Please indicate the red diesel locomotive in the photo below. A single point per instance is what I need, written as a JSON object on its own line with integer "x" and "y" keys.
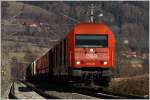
{"x": 86, "y": 54}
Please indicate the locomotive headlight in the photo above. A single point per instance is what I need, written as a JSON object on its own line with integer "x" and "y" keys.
{"x": 91, "y": 50}
{"x": 105, "y": 62}
{"x": 77, "y": 62}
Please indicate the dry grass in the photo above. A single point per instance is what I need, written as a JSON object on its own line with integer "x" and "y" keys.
{"x": 138, "y": 85}
{"x": 28, "y": 11}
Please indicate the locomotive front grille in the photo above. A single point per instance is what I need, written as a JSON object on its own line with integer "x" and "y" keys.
{"x": 79, "y": 72}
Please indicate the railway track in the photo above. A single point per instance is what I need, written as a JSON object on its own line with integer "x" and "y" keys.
{"x": 40, "y": 92}
{"x": 57, "y": 93}
{"x": 54, "y": 91}
{"x": 104, "y": 94}
{"x": 107, "y": 95}
{"x": 20, "y": 91}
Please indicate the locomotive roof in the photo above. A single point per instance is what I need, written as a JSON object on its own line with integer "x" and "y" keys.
{"x": 84, "y": 28}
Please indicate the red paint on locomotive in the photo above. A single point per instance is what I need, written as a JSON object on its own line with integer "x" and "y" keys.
{"x": 92, "y": 55}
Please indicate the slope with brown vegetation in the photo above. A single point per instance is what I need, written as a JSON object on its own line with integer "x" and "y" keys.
{"x": 137, "y": 85}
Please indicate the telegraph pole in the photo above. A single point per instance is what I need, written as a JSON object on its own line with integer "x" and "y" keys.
{"x": 92, "y": 13}
{"x": 92, "y": 17}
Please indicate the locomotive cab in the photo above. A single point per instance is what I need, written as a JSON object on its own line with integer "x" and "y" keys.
{"x": 91, "y": 51}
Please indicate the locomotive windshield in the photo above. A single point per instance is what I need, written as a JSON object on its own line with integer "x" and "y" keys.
{"x": 91, "y": 40}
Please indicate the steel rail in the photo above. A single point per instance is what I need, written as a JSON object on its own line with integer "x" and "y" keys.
{"x": 40, "y": 92}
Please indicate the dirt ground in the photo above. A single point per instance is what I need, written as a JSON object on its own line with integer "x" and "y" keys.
{"x": 137, "y": 85}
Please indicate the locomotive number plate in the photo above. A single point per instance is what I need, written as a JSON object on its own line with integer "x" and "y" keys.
{"x": 91, "y": 56}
